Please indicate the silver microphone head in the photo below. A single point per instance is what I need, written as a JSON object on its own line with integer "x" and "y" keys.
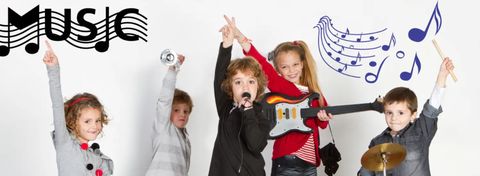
{"x": 170, "y": 58}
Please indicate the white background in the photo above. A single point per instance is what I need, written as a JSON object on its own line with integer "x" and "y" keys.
{"x": 127, "y": 78}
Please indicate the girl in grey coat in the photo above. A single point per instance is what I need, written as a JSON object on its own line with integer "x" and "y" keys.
{"x": 76, "y": 122}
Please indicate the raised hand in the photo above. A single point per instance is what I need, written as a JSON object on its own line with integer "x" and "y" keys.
{"x": 238, "y": 35}
{"x": 181, "y": 58}
{"x": 446, "y": 65}
{"x": 50, "y": 59}
{"x": 227, "y": 36}
{"x": 241, "y": 39}
{"x": 444, "y": 71}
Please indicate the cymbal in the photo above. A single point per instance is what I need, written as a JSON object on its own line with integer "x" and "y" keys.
{"x": 394, "y": 154}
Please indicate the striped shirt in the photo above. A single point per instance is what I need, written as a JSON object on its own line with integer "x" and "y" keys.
{"x": 171, "y": 146}
{"x": 307, "y": 152}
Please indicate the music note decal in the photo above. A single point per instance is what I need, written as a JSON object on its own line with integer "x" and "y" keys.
{"x": 375, "y": 76}
{"x": 364, "y": 53}
{"x": 340, "y": 51}
{"x": 360, "y": 38}
{"x": 102, "y": 46}
{"x": 387, "y": 47}
{"x": 417, "y": 35}
{"x": 20, "y": 23}
{"x": 344, "y": 35}
{"x": 342, "y": 69}
{"x": 358, "y": 59}
{"x": 400, "y": 54}
{"x": 408, "y": 75}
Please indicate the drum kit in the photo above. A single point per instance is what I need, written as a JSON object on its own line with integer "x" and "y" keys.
{"x": 170, "y": 58}
{"x": 383, "y": 157}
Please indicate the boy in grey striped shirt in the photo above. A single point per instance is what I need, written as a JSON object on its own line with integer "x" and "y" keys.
{"x": 171, "y": 146}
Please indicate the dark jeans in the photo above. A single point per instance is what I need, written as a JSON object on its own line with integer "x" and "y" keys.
{"x": 290, "y": 165}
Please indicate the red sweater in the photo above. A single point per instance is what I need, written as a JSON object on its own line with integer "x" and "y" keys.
{"x": 292, "y": 141}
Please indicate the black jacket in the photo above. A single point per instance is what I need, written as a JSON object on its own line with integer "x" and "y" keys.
{"x": 242, "y": 135}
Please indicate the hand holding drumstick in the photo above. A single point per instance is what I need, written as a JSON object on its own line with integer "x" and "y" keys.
{"x": 443, "y": 58}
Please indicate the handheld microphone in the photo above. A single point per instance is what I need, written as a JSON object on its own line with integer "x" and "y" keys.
{"x": 246, "y": 94}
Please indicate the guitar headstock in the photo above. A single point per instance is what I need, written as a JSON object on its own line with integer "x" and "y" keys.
{"x": 377, "y": 105}
{"x": 380, "y": 99}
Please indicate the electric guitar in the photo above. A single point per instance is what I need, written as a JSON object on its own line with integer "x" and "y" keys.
{"x": 287, "y": 114}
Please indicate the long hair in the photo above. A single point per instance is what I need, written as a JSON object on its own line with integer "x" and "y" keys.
{"x": 309, "y": 72}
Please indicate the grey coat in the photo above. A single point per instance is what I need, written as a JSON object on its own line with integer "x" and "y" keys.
{"x": 72, "y": 160}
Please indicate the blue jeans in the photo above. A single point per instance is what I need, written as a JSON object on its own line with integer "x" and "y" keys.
{"x": 291, "y": 165}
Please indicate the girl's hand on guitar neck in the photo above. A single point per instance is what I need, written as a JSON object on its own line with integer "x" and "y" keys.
{"x": 322, "y": 115}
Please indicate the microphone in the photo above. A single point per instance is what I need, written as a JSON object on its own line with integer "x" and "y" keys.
{"x": 247, "y": 95}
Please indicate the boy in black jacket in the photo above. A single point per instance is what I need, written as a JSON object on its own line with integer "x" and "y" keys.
{"x": 242, "y": 129}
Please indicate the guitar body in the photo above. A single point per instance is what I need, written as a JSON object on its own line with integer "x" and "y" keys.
{"x": 287, "y": 114}
{"x": 284, "y": 113}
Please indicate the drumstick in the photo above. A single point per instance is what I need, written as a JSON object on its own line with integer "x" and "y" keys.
{"x": 443, "y": 58}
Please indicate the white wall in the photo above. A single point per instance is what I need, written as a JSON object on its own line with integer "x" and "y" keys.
{"x": 127, "y": 78}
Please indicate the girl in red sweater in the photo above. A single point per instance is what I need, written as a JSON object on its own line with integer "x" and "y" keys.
{"x": 295, "y": 153}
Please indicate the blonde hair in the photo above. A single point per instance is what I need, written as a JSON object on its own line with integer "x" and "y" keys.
{"x": 73, "y": 111}
{"x": 309, "y": 72}
{"x": 248, "y": 66}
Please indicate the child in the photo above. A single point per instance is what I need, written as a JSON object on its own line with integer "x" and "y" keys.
{"x": 77, "y": 121}
{"x": 400, "y": 108}
{"x": 295, "y": 153}
{"x": 242, "y": 129}
{"x": 171, "y": 145}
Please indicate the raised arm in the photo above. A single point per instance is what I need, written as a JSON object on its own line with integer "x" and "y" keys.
{"x": 439, "y": 89}
{"x": 164, "y": 103}
{"x": 61, "y": 134}
{"x": 242, "y": 40}
{"x": 223, "y": 60}
{"x": 428, "y": 117}
{"x": 275, "y": 82}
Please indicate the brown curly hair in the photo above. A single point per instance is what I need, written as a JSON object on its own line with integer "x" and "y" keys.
{"x": 74, "y": 112}
{"x": 248, "y": 66}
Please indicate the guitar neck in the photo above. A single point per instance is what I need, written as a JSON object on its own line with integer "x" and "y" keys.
{"x": 344, "y": 109}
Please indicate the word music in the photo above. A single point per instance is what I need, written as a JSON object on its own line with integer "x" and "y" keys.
{"x": 128, "y": 25}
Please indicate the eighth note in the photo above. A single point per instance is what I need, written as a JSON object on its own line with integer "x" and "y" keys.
{"x": 407, "y": 75}
{"x": 342, "y": 69}
{"x": 340, "y": 51}
{"x": 358, "y": 59}
{"x": 360, "y": 38}
{"x": 344, "y": 35}
{"x": 387, "y": 47}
